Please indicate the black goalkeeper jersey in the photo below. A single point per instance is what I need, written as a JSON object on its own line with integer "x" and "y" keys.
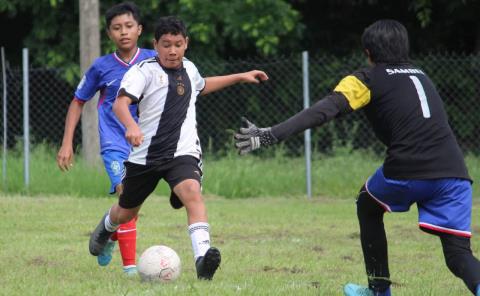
{"x": 406, "y": 113}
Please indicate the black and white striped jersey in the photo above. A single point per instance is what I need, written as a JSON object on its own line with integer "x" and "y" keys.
{"x": 166, "y": 109}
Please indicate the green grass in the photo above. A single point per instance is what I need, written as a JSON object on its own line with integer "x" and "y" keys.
{"x": 230, "y": 176}
{"x": 270, "y": 246}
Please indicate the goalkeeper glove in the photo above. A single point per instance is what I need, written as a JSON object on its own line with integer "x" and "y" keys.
{"x": 251, "y": 137}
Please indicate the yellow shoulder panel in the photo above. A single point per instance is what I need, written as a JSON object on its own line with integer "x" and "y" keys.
{"x": 357, "y": 94}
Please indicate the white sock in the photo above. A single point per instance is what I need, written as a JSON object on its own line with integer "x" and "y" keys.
{"x": 109, "y": 225}
{"x": 200, "y": 236}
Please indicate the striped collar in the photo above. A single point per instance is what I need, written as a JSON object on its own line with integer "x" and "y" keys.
{"x": 131, "y": 62}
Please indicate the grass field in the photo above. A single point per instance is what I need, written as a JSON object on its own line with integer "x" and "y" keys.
{"x": 338, "y": 175}
{"x": 270, "y": 246}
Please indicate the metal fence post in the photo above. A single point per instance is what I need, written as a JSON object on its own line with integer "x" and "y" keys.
{"x": 306, "y": 104}
{"x": 4, "y": 98}
{"x": 26, "y": 132}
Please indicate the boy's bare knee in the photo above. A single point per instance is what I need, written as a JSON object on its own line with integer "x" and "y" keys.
{"x": 188, "y": 191}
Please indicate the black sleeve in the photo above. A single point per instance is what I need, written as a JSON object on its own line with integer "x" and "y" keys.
{"x": 321, "y": 112}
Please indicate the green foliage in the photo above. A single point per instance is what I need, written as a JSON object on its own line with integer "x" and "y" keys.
{"x": 215, "y": 27}
{"x": 423, "y": 11}
{"x": 237, "y": 25}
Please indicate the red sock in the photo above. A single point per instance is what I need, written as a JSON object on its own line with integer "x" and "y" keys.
{"x": 127, "y": 242}
{"x": 114, "y": 237}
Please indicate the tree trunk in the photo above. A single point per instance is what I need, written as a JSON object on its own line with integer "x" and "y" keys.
{"x": 89, "y": 50}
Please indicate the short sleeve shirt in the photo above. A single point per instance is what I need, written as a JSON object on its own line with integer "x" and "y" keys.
{"x": 166, "y": 108}
{"x": 105, "y": 75}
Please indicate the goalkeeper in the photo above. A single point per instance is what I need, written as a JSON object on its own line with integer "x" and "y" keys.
{"x": 423, "y": 165}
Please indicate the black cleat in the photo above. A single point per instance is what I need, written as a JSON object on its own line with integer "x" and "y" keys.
{"x": 208, "y": 264}
{"x": 99, "y": 238}
{"x": 175, "y": 201}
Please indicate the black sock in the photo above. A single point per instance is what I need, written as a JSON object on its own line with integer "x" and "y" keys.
{"x": 374, "y": 241}
{"x": 460, "y": 260}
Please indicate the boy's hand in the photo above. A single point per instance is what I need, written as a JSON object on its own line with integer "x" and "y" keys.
{"x": 255, "y": 76}
{"x": 251, "y": 137}
{"x": 134, "y": 135}
{"x": 65, "y": 158}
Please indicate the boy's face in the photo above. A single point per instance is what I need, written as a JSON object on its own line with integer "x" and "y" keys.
{"x": 171, "y": 49}
{"x": 124, "y": 32}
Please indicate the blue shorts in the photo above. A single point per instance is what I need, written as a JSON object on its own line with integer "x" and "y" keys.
{"x": 444, "y": 205}
{"x": 113, "y": 161}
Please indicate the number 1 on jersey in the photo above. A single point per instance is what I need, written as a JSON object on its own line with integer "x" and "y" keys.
{"x": 421, "y": 96}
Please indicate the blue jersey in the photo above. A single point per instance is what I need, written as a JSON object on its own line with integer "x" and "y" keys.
{"x": 105, "y": 75}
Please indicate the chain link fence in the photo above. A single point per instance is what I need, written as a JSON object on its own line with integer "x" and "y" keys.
{"x": 457, "y": 78}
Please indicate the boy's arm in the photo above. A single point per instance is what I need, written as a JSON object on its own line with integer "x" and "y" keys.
{"x": 65, "y": 154}
{"x": 133, "y": 133}
{"x": 216, "y": 83}
{"x": 350, "y": 94}
{"x": 252, "y": 137}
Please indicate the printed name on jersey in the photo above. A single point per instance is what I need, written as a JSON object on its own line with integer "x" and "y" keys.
{"x": 404, "y": 71}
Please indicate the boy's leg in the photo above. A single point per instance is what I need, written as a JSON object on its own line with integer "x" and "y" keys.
{"x": 138, "y": 183}
{"x": 126, "y": 235}
{"x": 184, "y": 177}
{"x": 127, "y": 243}
{"x": 448, "y": 215}
{"x": 374, "y": 241}
{"x": 127, "y": 240}
{"x": 108, "y": 225}
{"x": 207, "y": 258}
{"x": 460, "y": 260}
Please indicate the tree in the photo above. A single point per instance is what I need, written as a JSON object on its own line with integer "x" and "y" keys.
{"x": 89, "y": 50}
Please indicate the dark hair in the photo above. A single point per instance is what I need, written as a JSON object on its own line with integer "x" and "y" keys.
{"x": 170, "y": 25}
{"x": 121, "y": 9}
{"x": 386, "y": 41}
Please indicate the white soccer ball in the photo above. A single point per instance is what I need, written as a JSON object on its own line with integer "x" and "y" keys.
{"x": 159, "y": 263}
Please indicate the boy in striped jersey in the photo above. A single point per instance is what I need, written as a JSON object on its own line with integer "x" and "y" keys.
{"x": 165, "y": 140}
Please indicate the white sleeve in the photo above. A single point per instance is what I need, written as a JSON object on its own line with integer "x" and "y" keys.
{"x": 197, "y": 79}
{"x": 133, "y": 83}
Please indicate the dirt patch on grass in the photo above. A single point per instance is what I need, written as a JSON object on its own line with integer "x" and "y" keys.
{"x": 293, "y": 269}
{"x": 40, "y": 261}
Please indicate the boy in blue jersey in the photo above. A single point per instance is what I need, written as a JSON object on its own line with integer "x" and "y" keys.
{"x": 423, "y": 163}
{"x": 105, "y": 75}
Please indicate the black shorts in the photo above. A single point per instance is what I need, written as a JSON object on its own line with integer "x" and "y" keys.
{"x": 141, "y": 180}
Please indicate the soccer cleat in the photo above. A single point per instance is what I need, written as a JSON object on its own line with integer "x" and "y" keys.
{"x": 175, "y": 201}
{"x": 207, "y": 265}
{"x": 106, "y": 255}
{"x": 356, "y": 290}
{"x": 130, "y": 270}
{"x": 99, "y": 238}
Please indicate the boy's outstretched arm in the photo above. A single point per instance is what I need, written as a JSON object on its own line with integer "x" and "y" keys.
{"x": 251, "y": 137}
{"x": 215, "y": 83}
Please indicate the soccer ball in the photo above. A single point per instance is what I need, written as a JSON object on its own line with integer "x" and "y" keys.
{"x": 160, "y": 264}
